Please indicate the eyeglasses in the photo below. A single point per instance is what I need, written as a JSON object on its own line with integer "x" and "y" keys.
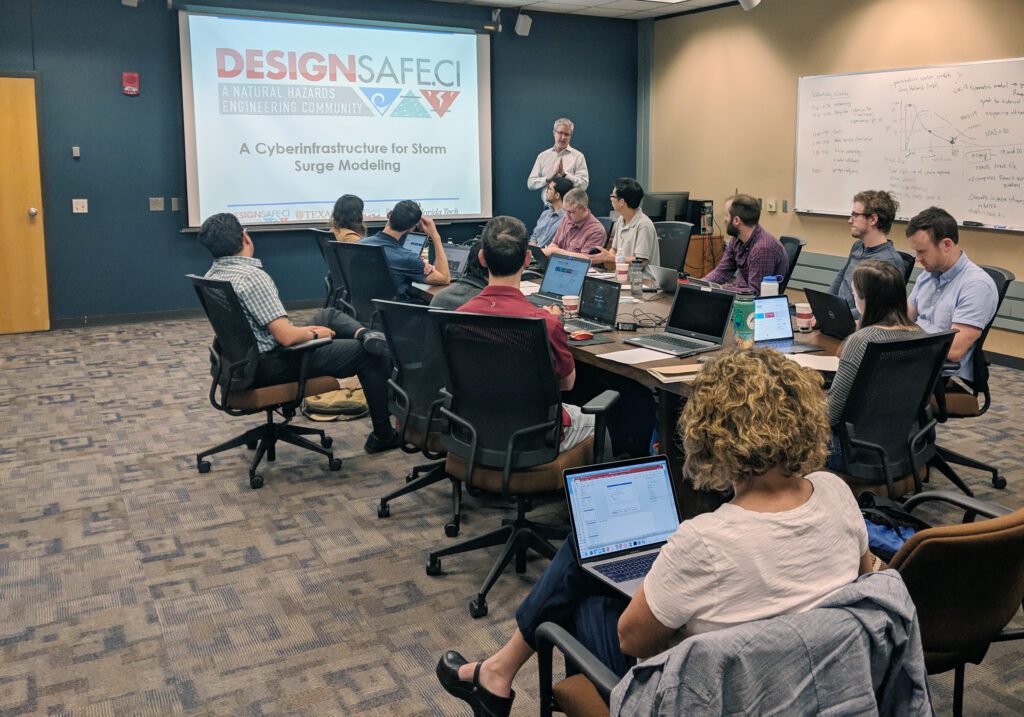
{"x": 613, "y": 197}
{"x": 860, "y": 214}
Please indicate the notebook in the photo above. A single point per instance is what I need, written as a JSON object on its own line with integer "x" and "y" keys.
{"x": 599, "y": 305}
{"x": 832, "y": 313}
{"x": 621, "y": 514}
{"x": 697, "y": 323}
{"x": 458, "y": 257}
{"x": 563, "y": 277}
{"x": 773, "y": 328}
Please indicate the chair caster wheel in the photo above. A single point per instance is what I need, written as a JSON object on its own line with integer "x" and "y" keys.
{"x": 327, "y": 442}
{"x": 477, "y": 608}
{"x": 998, "y": 482}
{"x": 384, "y": 511}
{"x": 410, "y": 477}
{"x": 434, "y": 566}
{"x": 204, "y": 467}
{"x": 451, "y": 529}
{"x": 251, "y": 445}
{"x": 255, "y": 482}
{"x": 334, "y": 464}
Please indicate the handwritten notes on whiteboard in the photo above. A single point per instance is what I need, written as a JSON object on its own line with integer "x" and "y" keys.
{"x": 951, "y": 136}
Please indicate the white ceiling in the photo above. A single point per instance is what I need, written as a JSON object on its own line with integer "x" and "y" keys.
{"x": 628, "y": 9}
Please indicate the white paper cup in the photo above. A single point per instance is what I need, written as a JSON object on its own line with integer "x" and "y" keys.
{"x": 571, "y": 303}
{"x": 622, "y": 273}
{"x": 803, "y": 317}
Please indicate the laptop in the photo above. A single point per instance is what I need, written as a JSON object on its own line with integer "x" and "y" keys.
{"x": 564, "y": 277}
{"x": 697, "y": 323}
{"x": 414, "y": 242}
{"x": 832, "y": 313}
{"x": 621, "y": 514}
{"x": 665, "y": 279}
{"x": 599, "y": 305}
{"x": 773, "y": 328}
{"x": 539, "y": 258}
{"x": 458, "y": 257}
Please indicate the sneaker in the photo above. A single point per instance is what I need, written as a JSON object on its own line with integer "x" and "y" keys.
{"x": 378, "y": 444}
{"x": 374, "y": 343}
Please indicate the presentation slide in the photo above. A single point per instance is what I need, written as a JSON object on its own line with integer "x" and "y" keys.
{"x": 284, "y": 116}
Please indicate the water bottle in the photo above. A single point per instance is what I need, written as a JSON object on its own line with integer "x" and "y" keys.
{"x": 770, "y": 285}
{"x": 743, "y": 319}
{"x": 636, "y": 279}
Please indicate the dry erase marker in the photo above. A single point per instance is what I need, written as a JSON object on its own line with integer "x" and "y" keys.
{"x": 973, "y": 224}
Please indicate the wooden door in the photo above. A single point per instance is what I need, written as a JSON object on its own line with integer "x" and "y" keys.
{"x": 24, "y": 304}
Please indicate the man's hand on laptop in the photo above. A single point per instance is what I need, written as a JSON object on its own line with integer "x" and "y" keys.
{"x": 554, "y": 309}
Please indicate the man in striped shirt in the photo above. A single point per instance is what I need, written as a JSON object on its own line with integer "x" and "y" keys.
{"x": 753, "y": 252}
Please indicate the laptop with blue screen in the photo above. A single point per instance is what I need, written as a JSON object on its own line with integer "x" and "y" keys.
{"x": 621, "y": 514}
{"x": 563, "y": 277}
{"x": 773, "y": 328}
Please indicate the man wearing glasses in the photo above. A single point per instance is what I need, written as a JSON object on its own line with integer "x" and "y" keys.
{"x": 580, "y": 231}
{"x": 870, "y": 222}
{"x": 633, "y": 234}
{"x": 561, "y": 160}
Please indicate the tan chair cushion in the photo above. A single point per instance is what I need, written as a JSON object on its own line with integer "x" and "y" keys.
{"x": 539, "y": 479}
{"x": 256, "y": 399}
{"x": 433, "y": 440}
{"x": 962, "y": 405}
{"x": 577, "y": 696}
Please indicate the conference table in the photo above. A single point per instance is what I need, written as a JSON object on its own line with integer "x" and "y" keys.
{"x": 671, "y": 397}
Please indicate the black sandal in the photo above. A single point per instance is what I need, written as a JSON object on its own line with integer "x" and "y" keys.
{"x": 484, "y": 702}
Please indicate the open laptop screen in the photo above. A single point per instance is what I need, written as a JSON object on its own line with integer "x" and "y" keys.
{"x": 414, "y": 242}
{"x": 457, "y": 256}
{"x": 771, "y": 318}
{"x": 600, "y": 300}
{"x": 564, "y": 276}
{"x": 705, "y": 312}
{"x": 618, "y": 507}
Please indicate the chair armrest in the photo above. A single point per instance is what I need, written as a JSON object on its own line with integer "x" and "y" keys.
{"x": 530, "y": 274}
{"x": 311, "y": 344}
{"x": 601, "y": 403}
{"x": 969, "y": 504}
{"x": 550, "y": 635}
{"x": 950, "y": 366}
{"x": 1007, "y": 635}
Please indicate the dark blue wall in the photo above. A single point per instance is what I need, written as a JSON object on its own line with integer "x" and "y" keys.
{"x": 120, "y": 258}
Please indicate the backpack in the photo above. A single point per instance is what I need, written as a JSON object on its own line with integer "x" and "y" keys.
{"x": 889, "y": 526}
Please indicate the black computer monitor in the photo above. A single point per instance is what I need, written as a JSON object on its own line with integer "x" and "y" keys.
{"x": 665, "y": 206}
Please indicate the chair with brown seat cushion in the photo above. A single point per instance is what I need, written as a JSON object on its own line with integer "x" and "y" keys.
{"x": 967, "y": 582}
{"x": 502, "y": 423}
{"x": 233, "y": 363}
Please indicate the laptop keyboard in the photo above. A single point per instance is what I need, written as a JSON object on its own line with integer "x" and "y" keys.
{"x": 577, "y": 324}
{"x": 776, "y": 344}
{"x": 541, "y": 300}
{"x": 628, "y": 568}
{"x": 675, "y": 342}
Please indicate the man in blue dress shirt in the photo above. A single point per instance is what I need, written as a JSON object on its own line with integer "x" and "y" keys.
{"x": 953, "y": 292}
{"x": 553, "y": 214}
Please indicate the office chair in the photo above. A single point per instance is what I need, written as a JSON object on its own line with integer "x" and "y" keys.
{"x": 793, "y": 248}
{"x": 366, "y": 276}
{"x": 962, "y": 396}
{"x": 233, "y": 356}
{"x": 886, "y": 430}
{"x": 967, "y": 582}
{"x": 337, "y": 293}
{"x": 908, "y": 265}
{"x": 607, "y": 223}
{"x": 502, "y": 423}
{"x": 415, "y": 396}
{"x": 673, "y": 243}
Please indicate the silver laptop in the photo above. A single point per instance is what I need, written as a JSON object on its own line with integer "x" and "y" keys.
{"x": 773, "y": 328}
{"x": 599, "y": 305}
{"x": 621, "y": 513}
{"x": 563, "y": 277}
{"x": 665, "y": 279}
{"x": 414, "y": 242}
{"x": 458, "y": 257}
{"x": 697, "y": 323}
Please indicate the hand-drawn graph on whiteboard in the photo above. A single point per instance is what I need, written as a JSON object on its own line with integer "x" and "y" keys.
{"x": 951, "y": 136}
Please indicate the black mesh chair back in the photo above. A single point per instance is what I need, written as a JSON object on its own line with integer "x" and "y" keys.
{"x": 1002, "y": 279}
{"x": 607, "y": 223}
{"x": 499, "y": 378}
{"x": 908, "y": 265}
{"x": 234, "y": 342}
{"x": 793, "y": 248}
{"x": 418, "y": 375}
{"x": 885, "y": 429}
{"x": 336, "y": 291}
{"x": 673, "y": 243}
{"x": 366, "y": 275}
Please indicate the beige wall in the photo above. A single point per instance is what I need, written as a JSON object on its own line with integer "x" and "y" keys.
{"x": 724, "y": 94}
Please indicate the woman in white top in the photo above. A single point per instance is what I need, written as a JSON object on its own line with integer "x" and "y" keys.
{"x": 755, "y": 423}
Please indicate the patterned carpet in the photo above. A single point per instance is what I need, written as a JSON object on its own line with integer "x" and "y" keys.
{"x": 130, "y": 584}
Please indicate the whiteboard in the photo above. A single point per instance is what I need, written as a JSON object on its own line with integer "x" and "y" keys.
{"x": 950, "y": 136}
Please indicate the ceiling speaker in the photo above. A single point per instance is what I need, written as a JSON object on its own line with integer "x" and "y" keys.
{"x": 523, "y": 24}
{"x": 749, "y": 4}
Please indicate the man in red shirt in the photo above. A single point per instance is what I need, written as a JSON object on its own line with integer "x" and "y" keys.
{"x": 504, "y": 253}
{"x": 580, "y": 231}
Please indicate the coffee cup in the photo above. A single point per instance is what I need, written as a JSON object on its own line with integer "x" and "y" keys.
{"x": 804, "y": 317}
{"x": 622, "y": 273}
{"x": 571, "y": 304}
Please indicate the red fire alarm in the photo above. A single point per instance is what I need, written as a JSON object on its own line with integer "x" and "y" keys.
{"x": 130, "y": 83}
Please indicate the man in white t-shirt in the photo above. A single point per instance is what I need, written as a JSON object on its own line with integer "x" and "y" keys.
{"x": 633, "y": 233}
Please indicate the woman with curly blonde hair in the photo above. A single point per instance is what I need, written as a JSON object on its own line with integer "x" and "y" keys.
{"x": 791, "y": 534}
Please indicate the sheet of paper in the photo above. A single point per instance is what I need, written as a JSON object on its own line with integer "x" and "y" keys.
{"x": 635, "y": 356}
{"x": 684, "y": 368}
{"x": 687, "y": 378}
{"x": 601, "y": 274}
{"x": 529, "y": 287}
{"x": 628, "y": 300}
{"x": 421, "y": 286}
{"x": 816, "y": 361}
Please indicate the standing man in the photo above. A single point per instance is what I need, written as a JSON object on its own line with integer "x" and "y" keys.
{"x": 870, "y": 222}
{"x": 580, "y": 231}
{"x": 552, "y": 216}
{"x": 953, "y": 292}
{"x": 560, "y": 161}
{"x": 354, "y": 351}
{"x": 753, "y": 253}
{"x": 633, "y": 234}
{"x": 405, "y": 265}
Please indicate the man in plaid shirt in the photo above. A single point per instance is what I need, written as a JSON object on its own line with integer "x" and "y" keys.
{"x": 753, "y": 253}
{"x": 354, "y": 350}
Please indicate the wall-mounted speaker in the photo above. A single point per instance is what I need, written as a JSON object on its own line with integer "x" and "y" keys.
{"x": 523, "y": 25}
